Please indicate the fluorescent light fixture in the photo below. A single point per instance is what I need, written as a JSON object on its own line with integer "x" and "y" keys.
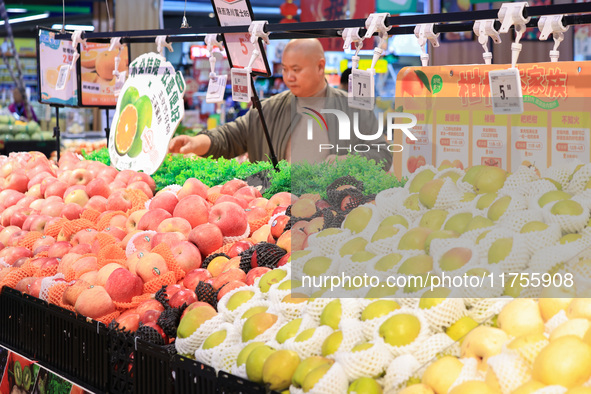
{"x": 205, "y": 8}
{"x": 58, "y": 26}
{"x": 26, "y": 18}
{"x": 16, "y": 10}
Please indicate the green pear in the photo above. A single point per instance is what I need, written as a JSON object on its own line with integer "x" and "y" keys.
{"x": 314, "y": 376}
{"x": 455, "y": 258}
{"x": 317, "y": 266}
{"x": 245, "y": 352}
{"x": 305, "y": 335}
{"x": 439, "y": 234}
{"x": 279, "y": 368}
{"x": 379, "y": 308}
{"x": 434, "y": 297}
{"x": 393, "y": 220}
{"x": 485, "y": 200}
{"x": 290, "y": 284}
{"x": 331, "y": 314}
{"x": 288, "y": 331}
{"x": 420, "y": 179}
{"x": 384, "y": 232}
{"x": 193, "y": 319}
{"x": 239, "y": 298}
{"x": 358, "y": 219}
{"x": 255, "y": 362}
{"x": 499, "y": 250}
{"x": 498, "y": 208}
{"x": 253, "y": 311}
{"x": 468, "y": 196}
{"x": 365, "y": 385}
{"x": 214, "y": 339}
{"x": 420, "y": 264}
{"x": 472, "y": 174}
{"x": 551, "y": 196}
{"x": 429, "y": 192}
{"x": 270, "y": 278}
{"x": 490, "y": 180}
{"x": 554, "y": 182}
{"x": 482, "y": 236}
{"x": 382, "y": 290}
{"x": 567, "y": 207}
{"x": 328, "y": 232}
{"x": 458, "y": 330}
{"x": 387, "y": 262}
{"x": 433, "y": 219}
{"x": 352, "y": 246}
{"x": 414, "y": 239}
{"x": 256, "y": 325}
{"x": 400, "y": 330}
{"x": 533, "y": 226}
{"x": 569, "y": 238}
{"x": 306, "y": 366}
{"x": 332, "y": 343}
{"x": 479, "y": 222}
{"x": 458, "y": 222}
{"x": 412, "y": 202}
{"x": 361, "y": 347}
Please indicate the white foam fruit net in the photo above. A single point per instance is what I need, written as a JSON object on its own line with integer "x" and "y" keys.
{"x": 516, "y": 220}
{"x": 510, "y": 370}
{"x": 232, "y": 338}
{"x": 468, "y": 373}
{"x": 410, "y": 348}
{"x": 561, "y": 172}
{"x": 399, "y": 371}
{"x": 579, "y": 180}
{"x": 517, "y": 180}
{"x": 316, "y": 306}
{"x": 537, "y": 240}
{"x": 334, "y": 381}
{"x": 386, "y": 245}
{"x": 485, "y": 309}
{"x": 327, "y": 244}
{"x": 555, "y": 321}
{"x": 47, "y": 283}
{"x": 445, "y": 314}
{"x": 270, "y": 332}
{"x": 187, "y": 346}
{"x": 386, "y": 201}
{"x": 230, "y": 315}
{"x": 437, "y": 345}
{"x": 131, "y": 248}
{"x": 411, "y": 178}
{"x": 568, "y": 223}
{"x": 231, "y": 240}
{"x": 311, "y": 346}
{"x": 352, "y": 330}
{"x": 371, "y": 362}
{"x": 226, "y": 360}
{"x": 448, "y": 195}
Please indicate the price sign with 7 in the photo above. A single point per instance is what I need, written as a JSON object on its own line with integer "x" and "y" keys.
{"x": 362, "y": 90}
{"x": 505, "y": 89}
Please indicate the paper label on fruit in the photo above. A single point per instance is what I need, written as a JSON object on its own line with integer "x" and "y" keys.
{"x": 452, "y": 132}
{"x": 97, "y": 81}
{"x": 489, "y": 145}
{"x": 529, "y": 136}
{"x": 54, "y": 54}
{"x": 570, "y": 137}
{"x": 149, "y": 109}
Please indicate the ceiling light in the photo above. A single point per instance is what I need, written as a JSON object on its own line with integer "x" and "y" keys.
{"x": 26, "y": 18}
{"x": 16, "y": 10}
{"x": 58, "y": 26}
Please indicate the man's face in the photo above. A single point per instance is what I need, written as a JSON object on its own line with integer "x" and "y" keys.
{"x": 302, "y": 74}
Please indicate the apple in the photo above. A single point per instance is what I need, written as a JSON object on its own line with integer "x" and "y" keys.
{"x": 239, "y": 247}
{"x": 98, "y": 187}
{"x": 192, "y": 208}
{"x": 57, "y": 188}
{"x": 283, "y": 260}
{"x": 150, "y": 316}
{"x": 233, "y": 186}
{"x": 281, "y": 199}
{"x": 119, "y": 200}
{"x": 278, "y": 225}
{"x": 72, "y": 211}
{"x": 124, "y": 176}
{"x": 143, "y": 177}
{"x": 19, "y": 217}
{"x": 165, "y": 200}
{"x": 255, "y": 273}
{"x": 184, "y": 296}
{"x": 187, "y": 256}
{"x": 158, "y": 330}
{"x": 247, "y": 193}
{"x": 142, "y": 186}
{"x": 17, "y": 181}
{"x": 59, "y": 249}
{"x": 195, "y": 276}
{"x": 133, "y": 220}
{"x": 13, "y": 253}
{"x": 227, "y": 198}
{"x": 230, "y": 218}
{"x": 259, "y": 202}
{"x": 192, "y": 187}
{"x": 98, "y": 203}
{"x": 170, "y": 239}
{"x": 151, "y": 266}
{"x": 151, "y": 219}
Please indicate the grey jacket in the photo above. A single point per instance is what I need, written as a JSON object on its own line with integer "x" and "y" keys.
{"x": 246, "y": 133}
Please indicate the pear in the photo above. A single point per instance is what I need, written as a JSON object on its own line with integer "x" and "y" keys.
{"x": 362, "y": 256}
{"x": 490, "y": 180}
{"x": 434, "y": 297}
{"x": 331, "y": 314}
{"x": 419, "y": 388}
{"x": 483, "y": 342}
{"x": 387, "y": 262}
{"x": 498, "y": 208}
{"x": 382, "y": 290}
{"x": 455, "y": 258}
{"x": 454, "y": 176}
{"x": 568, "y": 238}
{"x": 439, "y": 234}
{"x": 486, "y": 200}
{"x": 279, "y": 368}
{"x": 358, "y": 219}
{"x": 458, "y": 222}
{"x": 317, "y": 266}
{"x": 393, "y": 220}
{"x": 472, "y": 174}
{"x": 521, "y": 316}
{"x": 442, "y": 373}
{"x": 479, "y": 222}
{"x": 414, "y": 238}
{"x": 306, "y": 366}
{"x": 289, "y": 330}
{"x": 471, "y": 387}
{"x": 400, "y": 330}
{"x": 365, "y": 385}
{"x": 420, "y": 179}
{"x": 256, "y": 325}
{"x": 245, "y": 352}
{"x": 429, "y": 192}
{"x": 214, "y": 339}
{"x": 314, "y": 376}
{"x": 499, "y": 250}
{"x": 412, "y": 202}
{"x": 239, "y": 298}
{"x": 554, "y": 299}
{"x": 532, "y": 226}
{"x": 551, "y": 196}
{"x": 379, "y": 308}
{"x": 458, "y": 330}
{"x": 271, "y": 277}
{"x": 577, "y": 327}
{"x": 529, "y": 387}
{"x": 352, "y": 246}
{"x": 332, "y": 343}
{"x": 566, "y": 207}
{"x": 255, "y": 362}
{"x": 384, "y": 232}
{"x": 420, "y": 264}
{"x": 433, "y": 219}
{"x": 565, "y": 362}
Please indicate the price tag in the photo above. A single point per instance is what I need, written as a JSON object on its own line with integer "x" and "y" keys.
{"x": 241, "y": 85}
{"x": 505, "y": 89}
{"x": 362, "y": 90}
{"x": 62, "y": 77}
{"x": 216, "y": 89}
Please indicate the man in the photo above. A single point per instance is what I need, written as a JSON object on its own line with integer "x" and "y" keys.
{"x": 286, "y": 116}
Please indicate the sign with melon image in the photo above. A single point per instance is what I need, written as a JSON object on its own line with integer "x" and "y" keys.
{"x": 149, "y": 109}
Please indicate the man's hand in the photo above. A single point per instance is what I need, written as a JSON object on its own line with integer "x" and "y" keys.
{"x": 184, "y": 144}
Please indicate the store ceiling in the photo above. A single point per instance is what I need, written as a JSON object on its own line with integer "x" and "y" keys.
{"x": 49, "y": 12}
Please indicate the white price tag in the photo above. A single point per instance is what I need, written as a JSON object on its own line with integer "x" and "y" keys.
{"x": 62, "y": 77}
{"x": 505, "y": 89}
{"x": 362, "y": 90}
{"x": 241, "y": 85}
{"x": 216, "y": 89}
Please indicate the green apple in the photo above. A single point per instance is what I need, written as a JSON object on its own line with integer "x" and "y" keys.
{"x": 499, "y": 250}
{"x": 393, "y": 220}
{"x": 434, "y": 297}
{"x": 332, "y": 343}
{"x": 317, "y": 266}
{"x": 253, "y": 311}
{"x": 379, "y": 308}
{"x": 331, "y": 314}
{"x": 490, "y": 180}
{"x": 270, "y": 278}
{"x": 414, "y": 239}
{"x": 412, "y": 202}
{"x": 384, "y": 232}
{"x": 429, "y": 192}
{"x": 365, "y": 385}
{"x": 569, "y": 238}
{"x": 420, "y": 179}
{"x": 551, "y": 196}
{"x": 245, "y": 352}
{"x": 479, "y": 222}
{"x": 455, "y": 258}
{"x": 498, "y": 208}
{"x": 387, "y": 262}
{"x": 240, "y": 298}
{"x": 214, "y": 339}
{"x": 567, "y": 207}
{"x": 255, "y": 362}
{"x": 289, "y": 330}
{"x": 485, "y": 200}
{"x": 279, "y": 368}
{"x": 420, "y": 264}
{"x": 352, "y": 246}
{"x": 439, "y": 234}
{"x": 256, "y": 325}
{"x": 532, "y": 226}
{"x": 306, "y": 366}
{"x": 400, "y": 330}
{"x": 362, "y": 256}
{"x": 458, "y": 330}
{"x": 458, "y": 222}
{"x": 314, "y": 376}
{"x": 433, "y": 219}
{"x": 358, "y": 219}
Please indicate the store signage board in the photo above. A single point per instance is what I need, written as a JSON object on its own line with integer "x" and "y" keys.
{"x": 238, "y": 46}
{"x": 458, "y": 126}
{"x": 362, "y": 90}
{"x": 149, "y": 109}
{"x": 96, "y": 82}
{"x": 52, "y": 55}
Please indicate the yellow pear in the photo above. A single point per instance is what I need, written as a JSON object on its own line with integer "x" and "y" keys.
{"x": 271, "y": 277}
{"x": 429, "y": 192}
{"x": 365, "y": 385}
{"x": 358, "y": 219}
{"x": 490, "y": 180}
{"x": 472, "y": 174}
{"x": 458, "y": 330}
{"x": 255, "y": 362}
{"x": 412, "y": 202}
{"x": 551, "y": 196}
{"x": 441, "y": 374}
{"x": 553, "y": 300}
{"x": 387, "y": 262}
{"x": 479, "y": 222}
{"x": 420, "y": 179}
{"x": 419, "y": 388}
{"x": 533, "y": 226}
{"x": 498, "y": 208}
{"x": 485, "y": 200}
{"x": 379, "y": 308}
{"x": 455, "y": 258}
{"x": 393, "y": 220}
{"x": 317, "y": 266}
{"x": 239, "y": 298}
{"x": 458, "y": 222}
{"x": 256, "y": 325}
{"x": 420, "y": 264}
{"x": 331, "y": 314}
{"x": 529, "y": 387}
{"x": 529, "y": 345}
{"x": 314, "y": 376}
{"x": 521, "y": 316}
{"x": 566, "y": 207}
{"x": 439, "y": 234}
{"x": 434, "y": 297}
{"x": 253, "y": 311}
{"x": 384, "y": 232}
{"x": 579, "y": 390}
{"x": 352, "y": 246}
{"x": 433, "y": 219}
{"x": 279, "y": 368}
{"x": 332, "y": 343}
{"x": 289, "y": 330}
{"x": 214, "y": 339}
{"x": 245, "y": 352}
{"x": 414, "y": 238}
{"x": 577, "y": 327}
{"x": 307, "y": 365}
{"x": 579, "y": 307}
{"x": 483, "y": 342}
{"x": 565, "y": 362}
{"x": 499, "y": 250}
{"x": 472, "y": 387}
{"x": 400, "y": 330}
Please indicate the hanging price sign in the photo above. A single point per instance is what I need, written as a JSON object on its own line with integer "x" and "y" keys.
{"x": 505, "y": 90}
{"x": 362, "y": 90}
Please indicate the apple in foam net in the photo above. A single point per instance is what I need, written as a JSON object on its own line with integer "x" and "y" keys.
{"x": 98, "y": 187}
{"x": 192, "y": 278}
{"x": 152, "y": 218}
{"x": 143, "y": 186}
{"x": 187, "y": 256}
{"x": 192, "y": 208}
{"x": 117, "y": 220}
{"x": 165, "y": 200}
{"x": 192, "y": 186}
{"x": 151, "y": 266}
{"x": 122, "y": 285}
{"x": 239, "y": 247}
{"x": 228, "y": 198}
{"x": 59, "y": 249}
{"x": 16, "y": 238}
{"x": 183, "y": 296}
{"x": 45, "y": 240}
{"x": 84, "y": 236}
{"x": 81, "y": 249}
{"x": 232, "y": 186}
{"x": 230, "y": 218}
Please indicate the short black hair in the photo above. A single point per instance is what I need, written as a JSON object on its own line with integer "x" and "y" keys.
{"x": 345, "y": 76}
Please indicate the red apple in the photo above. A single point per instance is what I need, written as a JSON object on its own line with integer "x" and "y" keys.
{"x": 170, "y": 239}
{"x": 278, "y": 225}
{"x": 195, "y": 276}
{"x": 192, "y": 208}
{"x": 247, "y": 193}
{"x": 207, "y": 237}
{"x": 98, "y": 187}
{"x": 119, "y": 200}
{"x": 181, "y": 297}
{"x": 151, "y": 219}
{"x": 187, "y": 256}
{"x": 192, "y": 186}
{"x": 230, "y": 218}
{"x": 159, "y": 330}
{"x": 239, "y": 247}
{"x": 255, "y": 273}
{"x": 227, "y": 198}
{"x": 232, "y": 186}
{"x": 165, "y": 200}
{"x": 98, "y": 203}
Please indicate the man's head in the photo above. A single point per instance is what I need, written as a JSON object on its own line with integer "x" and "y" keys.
{"x": 303, "y": 67}
{"x": 17, "y": 96}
